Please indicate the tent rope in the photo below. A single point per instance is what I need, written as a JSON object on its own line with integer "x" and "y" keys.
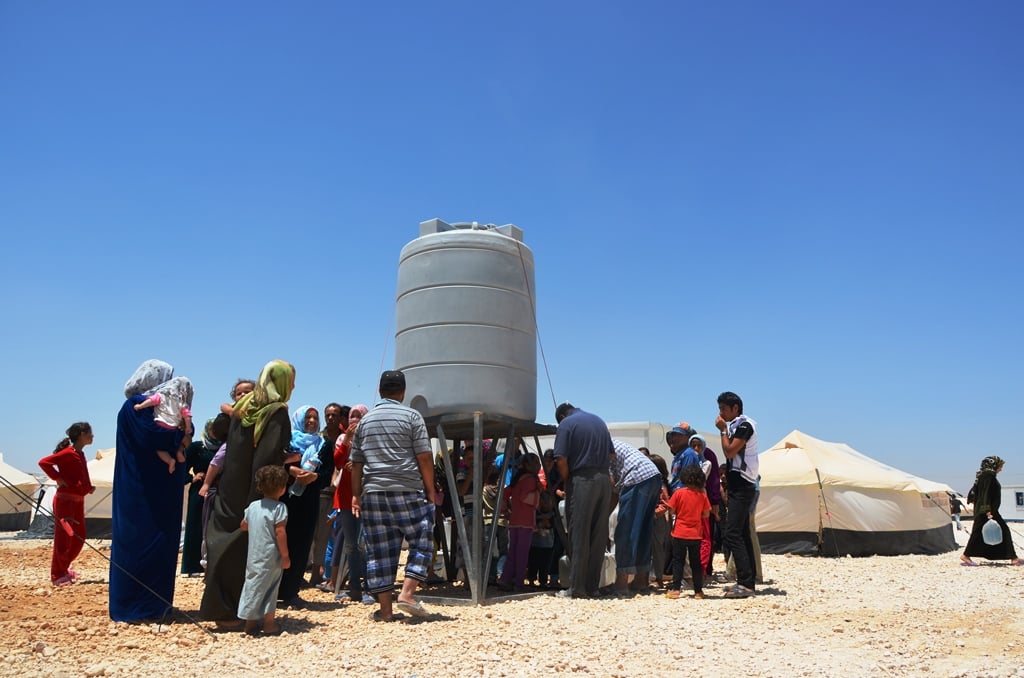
{"x": 63, "y": 524}
{"x": 828, "y": 514}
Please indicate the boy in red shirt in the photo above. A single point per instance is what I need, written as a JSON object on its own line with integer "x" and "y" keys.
{"x": 690, "y": 506}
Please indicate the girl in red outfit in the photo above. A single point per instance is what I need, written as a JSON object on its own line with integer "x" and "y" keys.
{"x": 523, "y": 498}
{"x": 68, "y": 468}
{"x": 690, "y": 506}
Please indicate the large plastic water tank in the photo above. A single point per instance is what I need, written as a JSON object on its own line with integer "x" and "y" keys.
{"x": 466, "y": 337}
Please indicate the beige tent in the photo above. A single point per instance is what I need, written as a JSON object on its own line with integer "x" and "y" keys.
{"x": 17, "y": 493}
{"x": 827, "y": 498}
{"x": 99, "y": 505}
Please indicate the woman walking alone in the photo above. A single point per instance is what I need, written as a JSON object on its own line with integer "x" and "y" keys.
{"x": 67, "y": 466}
{"x": 987, "y": 495}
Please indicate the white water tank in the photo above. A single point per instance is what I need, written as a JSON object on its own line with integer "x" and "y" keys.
{"x": 466, "y": 337}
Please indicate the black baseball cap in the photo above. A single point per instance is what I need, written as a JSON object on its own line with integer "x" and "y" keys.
{"x": 392, "y": 380}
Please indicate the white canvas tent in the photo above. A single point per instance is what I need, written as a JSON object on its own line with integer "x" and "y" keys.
{"x": 17, "y": 492}
{"x": 98, "y": 505}
{"x": 828, "y": 499}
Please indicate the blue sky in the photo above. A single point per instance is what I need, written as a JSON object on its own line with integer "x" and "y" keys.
{"x": 816, "y": 205}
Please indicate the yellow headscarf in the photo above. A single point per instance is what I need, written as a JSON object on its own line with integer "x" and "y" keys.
{"x": 273, "y": 389}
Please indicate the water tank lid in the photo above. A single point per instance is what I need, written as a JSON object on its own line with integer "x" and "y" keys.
{"x": 437, "y": 226}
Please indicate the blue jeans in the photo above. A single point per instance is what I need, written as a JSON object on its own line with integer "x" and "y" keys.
{"x": 354, "y": 556}
{"x": 634, "y": 530}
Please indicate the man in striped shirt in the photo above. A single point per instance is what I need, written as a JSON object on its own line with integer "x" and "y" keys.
{"x": 393, "y": 493}
{"x": 637, "y": 486}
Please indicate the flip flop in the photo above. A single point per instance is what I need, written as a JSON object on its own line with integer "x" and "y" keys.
{"x": 375, "y": 616}
{"x": 416, "y": 610}
{"x": 276, "y": 632}
{"x": 968, "y": 563}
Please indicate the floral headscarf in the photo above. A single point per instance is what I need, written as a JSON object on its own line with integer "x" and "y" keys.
{"x": 178, "y": 389}
{"x": 148, "y": 376}
{"x": 273, "y": 389}
{"x": 989, "y": 465}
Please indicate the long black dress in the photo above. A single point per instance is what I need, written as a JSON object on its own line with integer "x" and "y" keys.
{"x": 303, "y": 514}
{"x": 987, "y": 497}
{"x": 226, "y": 543}
{"x": 197, "y": 460}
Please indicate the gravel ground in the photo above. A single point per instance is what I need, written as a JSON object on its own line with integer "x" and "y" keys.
{"x": 898, "y": 616}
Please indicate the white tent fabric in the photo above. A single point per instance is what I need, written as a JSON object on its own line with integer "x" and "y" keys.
{"x": 828, "y": 498}
{"x": 98, "y": 505}
{"x": 15, "y": 501}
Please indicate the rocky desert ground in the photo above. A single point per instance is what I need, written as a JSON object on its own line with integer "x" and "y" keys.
{"x": 880, "y": 616}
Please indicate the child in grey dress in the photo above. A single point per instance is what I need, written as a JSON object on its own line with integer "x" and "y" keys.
{"x": 265, "y": 521}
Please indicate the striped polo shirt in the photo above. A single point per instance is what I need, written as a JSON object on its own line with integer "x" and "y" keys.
{"x": 630, "y": 466}
{"x": 386, "y": 442}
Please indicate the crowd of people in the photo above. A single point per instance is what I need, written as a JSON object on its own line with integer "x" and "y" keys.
{"x": 272, "y": 495}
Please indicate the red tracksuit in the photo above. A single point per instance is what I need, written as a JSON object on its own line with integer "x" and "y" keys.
{"x": 67, "y": 465}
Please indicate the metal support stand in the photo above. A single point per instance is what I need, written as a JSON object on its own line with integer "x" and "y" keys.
{"x": 478, "y": 563}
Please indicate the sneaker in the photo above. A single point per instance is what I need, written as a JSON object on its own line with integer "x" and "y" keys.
{"x": 672, "y": 594}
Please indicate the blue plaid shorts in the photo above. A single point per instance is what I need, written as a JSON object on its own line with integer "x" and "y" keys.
{"x": 388, "y": 518}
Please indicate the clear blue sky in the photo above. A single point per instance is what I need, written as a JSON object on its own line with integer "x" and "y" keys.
{"x": 816, "y": 205}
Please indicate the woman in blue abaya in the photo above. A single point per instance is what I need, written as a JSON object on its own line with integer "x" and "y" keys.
{"x": 147, "y": 503}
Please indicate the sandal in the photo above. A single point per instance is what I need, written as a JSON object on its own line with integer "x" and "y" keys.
{"x": 738, "y": 591}
{"x": 416, "y": 608}
{"x": 376, "y": 616}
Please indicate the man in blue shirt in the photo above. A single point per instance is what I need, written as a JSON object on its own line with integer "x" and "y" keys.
{"x": 678, "y": 439}
{"x": 583, "y": 448}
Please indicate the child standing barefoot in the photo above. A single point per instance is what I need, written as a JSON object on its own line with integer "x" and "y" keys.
{"x": 265, "y": 521}
{"x": 690, "y": 506}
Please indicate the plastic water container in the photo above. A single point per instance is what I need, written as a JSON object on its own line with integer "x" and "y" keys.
{"x": 992, "y": 533}
{"x": 465, "y": 330}
{"x": 311, "y": 464}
